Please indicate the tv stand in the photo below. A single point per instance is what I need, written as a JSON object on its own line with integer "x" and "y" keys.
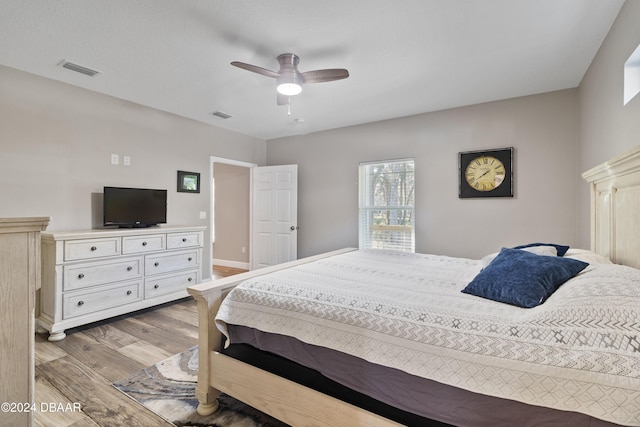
{"x": 97, "y": 274}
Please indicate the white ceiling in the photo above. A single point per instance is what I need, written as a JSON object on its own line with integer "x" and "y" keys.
{"x": 405, "y": 57}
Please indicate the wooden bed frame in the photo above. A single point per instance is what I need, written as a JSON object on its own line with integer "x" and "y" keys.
{"x": 287, "y": 401}
{"x": 615, "y": 208}
{"x": 615, "y": 233}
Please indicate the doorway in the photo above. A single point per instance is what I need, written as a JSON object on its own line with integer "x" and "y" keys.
{"x": 230, "y": 213}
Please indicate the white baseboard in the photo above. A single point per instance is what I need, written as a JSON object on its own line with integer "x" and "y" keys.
{"x": 233, "y": 264}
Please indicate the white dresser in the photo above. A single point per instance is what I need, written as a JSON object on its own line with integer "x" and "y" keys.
{"x": 93, "y": 275}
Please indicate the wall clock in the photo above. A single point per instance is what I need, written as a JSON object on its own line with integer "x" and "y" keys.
{"x": 486, "y": 173}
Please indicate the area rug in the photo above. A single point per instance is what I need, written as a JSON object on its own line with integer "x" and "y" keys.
{"x": 168, "y": 389}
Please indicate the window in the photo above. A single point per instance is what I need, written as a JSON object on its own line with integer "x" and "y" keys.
{"x": 632, "y": 76}
{"x": 387, "y": 205}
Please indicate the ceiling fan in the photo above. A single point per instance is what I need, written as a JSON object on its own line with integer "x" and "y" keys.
{"x": 289, "y": 79}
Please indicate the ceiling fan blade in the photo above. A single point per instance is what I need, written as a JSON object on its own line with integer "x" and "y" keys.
{"x": 319, "y": 76}
{"x": 255, "y": 69}
{"x": 282, "y": 99}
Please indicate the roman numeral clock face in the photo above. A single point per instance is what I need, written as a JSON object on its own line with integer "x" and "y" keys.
{"x": 487, "y": 173}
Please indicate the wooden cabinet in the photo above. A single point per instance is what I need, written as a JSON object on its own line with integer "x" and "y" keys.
{"x": 19, "y": 279}
{"x": 93, "y": 275}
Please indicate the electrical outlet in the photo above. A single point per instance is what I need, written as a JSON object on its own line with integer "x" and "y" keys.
{"x": 244, "y": 250}
{"x": 126, "y": 160}
{"x": 115, "y": 159}
{"x": 203, "y": 215}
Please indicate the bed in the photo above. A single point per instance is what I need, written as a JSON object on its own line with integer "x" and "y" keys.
{"x": 376, "y": 338}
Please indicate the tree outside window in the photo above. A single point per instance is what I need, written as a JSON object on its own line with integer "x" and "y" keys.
{"x": 387, "y": 205}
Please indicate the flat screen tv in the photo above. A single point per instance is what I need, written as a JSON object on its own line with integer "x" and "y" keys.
{"x": 134, "y": 207}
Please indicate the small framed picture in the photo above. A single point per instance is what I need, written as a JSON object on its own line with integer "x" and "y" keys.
{"x": 188, "y": 182}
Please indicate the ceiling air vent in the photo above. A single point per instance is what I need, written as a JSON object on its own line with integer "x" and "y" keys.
{"x": 78, "y": 68}
{"x": 221, "y": 115}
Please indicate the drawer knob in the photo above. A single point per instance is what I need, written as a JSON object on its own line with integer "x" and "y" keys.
{"x": 129, "y": 268}
{"x": 189, "y": 279}
{"x": 189, "y": 259}
{"x": 93, "y": 248}
{"x": 156, "y": 286}
{"x": 80, "y": 276}
{"x": 156, "y": 263}
{"x": 184, "y": 239}
{"x": 144, "y": 243}
{"x": 128, "y": 292}
{"x": 80, "y": 303}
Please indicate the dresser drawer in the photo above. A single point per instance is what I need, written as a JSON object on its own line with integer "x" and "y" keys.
{"x": 173, "y": 261}
{"x": 91, "y": 248}
{"x": 184, "y": 240}
{"x": 76, "y": 276}
{"x": 79, "y": 303}
{"x": 170, "y": 283}
{"x": 141, "y": 244}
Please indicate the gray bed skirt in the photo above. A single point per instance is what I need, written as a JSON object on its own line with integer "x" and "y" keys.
{"x": 414, "y": 395}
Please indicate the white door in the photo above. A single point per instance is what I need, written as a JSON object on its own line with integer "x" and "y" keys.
{"x": 274, "y": 215}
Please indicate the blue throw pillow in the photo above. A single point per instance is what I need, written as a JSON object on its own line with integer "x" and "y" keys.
{"x": 523, "y": 279}
{"x": 562, "y": 249}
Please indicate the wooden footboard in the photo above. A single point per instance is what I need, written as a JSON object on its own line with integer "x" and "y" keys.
{"x": 209, "y": 296}
{"x": 286, "y": 400}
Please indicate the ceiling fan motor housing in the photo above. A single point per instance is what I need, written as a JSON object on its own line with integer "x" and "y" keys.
{"x": 290, "y": 80}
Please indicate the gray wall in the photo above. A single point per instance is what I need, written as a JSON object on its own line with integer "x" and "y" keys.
{"x": 542, "y": 128}
{"x": 56, "y": 142}
{"x": 607, "y": 127}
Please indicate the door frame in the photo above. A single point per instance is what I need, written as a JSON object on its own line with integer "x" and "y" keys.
{"x": 212, "y": 160}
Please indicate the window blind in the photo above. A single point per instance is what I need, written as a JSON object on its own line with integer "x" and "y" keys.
{"x": 386, "y": 205}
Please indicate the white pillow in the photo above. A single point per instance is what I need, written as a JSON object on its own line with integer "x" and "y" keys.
{"x": 538, "y": 250}
{"x": 585, "y": 255}
{"x": 542, "y": 250}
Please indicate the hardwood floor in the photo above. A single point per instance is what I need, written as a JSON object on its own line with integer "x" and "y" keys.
{"x": 220, "y": 271}
{"x": 74, "y": 376}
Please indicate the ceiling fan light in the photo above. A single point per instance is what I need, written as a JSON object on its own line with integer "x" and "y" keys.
{"x": 289, "y": 89}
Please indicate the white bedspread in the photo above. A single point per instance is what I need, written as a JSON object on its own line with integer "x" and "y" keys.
{"x": 579, "y": 351}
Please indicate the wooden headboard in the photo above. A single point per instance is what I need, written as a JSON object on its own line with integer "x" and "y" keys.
{"x": 615, "y": 208}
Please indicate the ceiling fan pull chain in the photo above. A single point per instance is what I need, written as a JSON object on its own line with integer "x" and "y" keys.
{"x": 289, "y": 106}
